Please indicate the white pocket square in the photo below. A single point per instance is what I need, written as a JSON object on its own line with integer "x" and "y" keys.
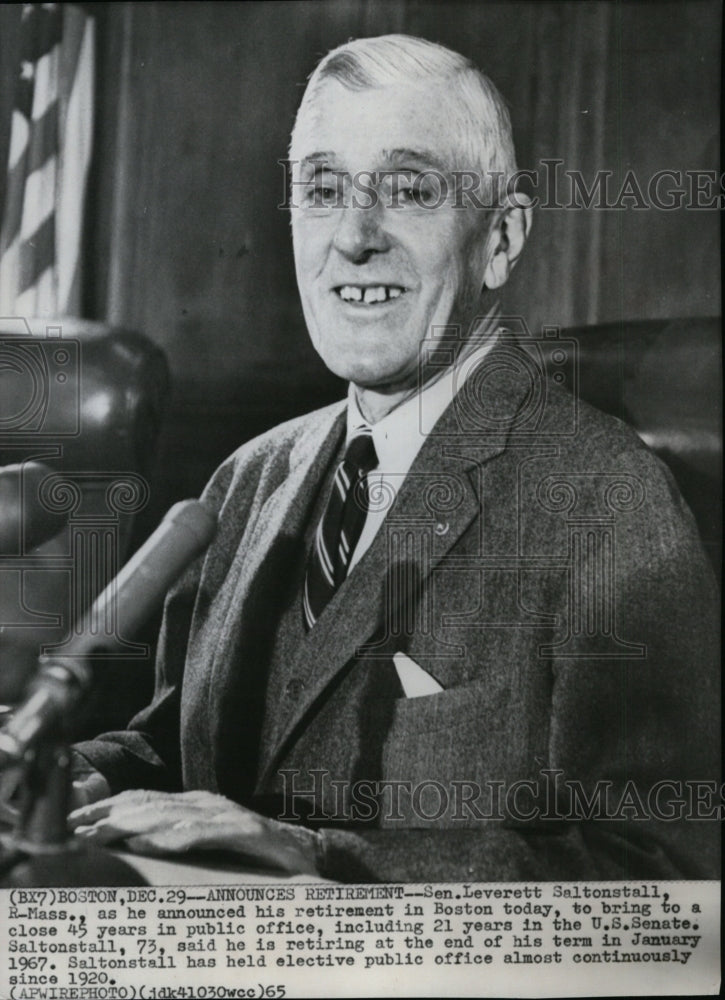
{"x": 415, "y": 681}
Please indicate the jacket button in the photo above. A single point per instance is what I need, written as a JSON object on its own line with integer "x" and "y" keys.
{"x": 294, "y": 688}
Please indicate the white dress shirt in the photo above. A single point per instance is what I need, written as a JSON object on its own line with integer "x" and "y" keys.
{"x": 399, "y": 436}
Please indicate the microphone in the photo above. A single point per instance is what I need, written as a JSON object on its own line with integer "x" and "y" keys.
{"x": 25, "y": 523}
{"x": 139, "y": 589}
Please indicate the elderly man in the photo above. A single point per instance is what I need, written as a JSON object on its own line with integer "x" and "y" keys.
{"x": 456, "y": 627}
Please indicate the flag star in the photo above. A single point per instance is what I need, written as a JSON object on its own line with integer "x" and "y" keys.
{"x": 26, "y": 70}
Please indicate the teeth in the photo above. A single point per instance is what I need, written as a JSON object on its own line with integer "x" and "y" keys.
{"x": 379, "y": 293}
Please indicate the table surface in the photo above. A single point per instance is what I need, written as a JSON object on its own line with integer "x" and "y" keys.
{"x": 191, "y": 869}
{"x": 182, "y": 870}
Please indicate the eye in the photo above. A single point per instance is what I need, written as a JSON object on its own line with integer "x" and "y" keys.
{"x": 322, "y": 191}
{"x": 400, "y": 189}
{"x": 325, "y": 193}
{"x": 410, "y": 189}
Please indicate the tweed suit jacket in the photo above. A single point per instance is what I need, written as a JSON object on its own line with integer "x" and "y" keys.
{"x": 539, "y": 563}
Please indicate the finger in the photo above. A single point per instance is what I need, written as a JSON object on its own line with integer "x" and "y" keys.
{"x": 100, "y": 834}
{"x": 89, "y": 788}
{"x": 177, "y": 839}
{"x": 88, "y": 814}
{"x": 132, "y": 798}
{"x": 263, "y": 847}
{"x": 190, "y": 835}
{"x": 129, "y": 820}
{"x": 124, "y": 822}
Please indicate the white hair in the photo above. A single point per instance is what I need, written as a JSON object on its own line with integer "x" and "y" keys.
{"x": 479, "y": 117}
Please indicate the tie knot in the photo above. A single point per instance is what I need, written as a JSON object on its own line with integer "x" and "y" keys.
{"x": 360, "y": 452}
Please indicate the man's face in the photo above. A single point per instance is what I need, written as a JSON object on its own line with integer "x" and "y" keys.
{"x": 377, "y": 265}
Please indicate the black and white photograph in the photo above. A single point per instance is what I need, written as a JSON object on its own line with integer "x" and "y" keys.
{"x": 360, "y": 498}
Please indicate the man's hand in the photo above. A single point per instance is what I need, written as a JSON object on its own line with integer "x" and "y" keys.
{"x": 88, "y": 786}
{"x": 166, "y": 823}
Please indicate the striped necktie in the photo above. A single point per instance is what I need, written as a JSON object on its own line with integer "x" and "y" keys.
{"x": 340, "y": 526}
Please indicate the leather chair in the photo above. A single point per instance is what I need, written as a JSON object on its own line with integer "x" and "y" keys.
{"x": 664, "y": 378}
{"x": 86, "y": 401}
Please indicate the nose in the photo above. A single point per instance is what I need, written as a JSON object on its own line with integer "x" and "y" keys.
{"x": 360, "y": 232}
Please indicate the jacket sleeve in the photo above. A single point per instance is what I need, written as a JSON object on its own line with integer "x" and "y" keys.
{"x": 148, "y": 754}
{"x": 495, "y": 853}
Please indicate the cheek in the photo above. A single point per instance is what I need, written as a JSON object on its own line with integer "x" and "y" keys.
{"x": 309, "y": 245}
{"x": 440, "y": 253}
{"x": 443, "y": 283}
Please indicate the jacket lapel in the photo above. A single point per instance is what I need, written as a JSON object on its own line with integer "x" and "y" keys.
{"x": 283, "y": 513}
{"x": 437, "y": 502}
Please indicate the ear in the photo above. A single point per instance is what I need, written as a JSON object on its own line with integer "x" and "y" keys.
{"x": 506, "y": 239}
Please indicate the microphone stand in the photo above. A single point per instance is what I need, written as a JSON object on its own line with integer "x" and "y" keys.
{"x": 41, "y": 851}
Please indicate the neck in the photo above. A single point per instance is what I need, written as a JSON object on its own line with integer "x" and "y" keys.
{"x": 374, "y": 404}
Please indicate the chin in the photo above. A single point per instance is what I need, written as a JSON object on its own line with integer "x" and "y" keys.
{"x": 367, "y": 376}
{"x": 373, "y": 376}
{"x": 367, "y": 357}
{"x": 349, "y": 362}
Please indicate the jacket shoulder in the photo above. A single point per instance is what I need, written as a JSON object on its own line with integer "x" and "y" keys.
{"x": 268, "y": 452}
{"x": 604, "y": 445}
{"x": 599, "y": 437}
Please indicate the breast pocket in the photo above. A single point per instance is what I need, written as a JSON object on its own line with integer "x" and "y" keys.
{"x": 455, "y": 707}
{"x": 442, "y": 735}
{"x": 466, "y": 740}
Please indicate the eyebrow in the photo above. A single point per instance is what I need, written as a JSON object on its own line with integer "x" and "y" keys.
{"x": 401, "y": 156}
{"x": 419, "y": 157}
{"x": 319, "y": 159}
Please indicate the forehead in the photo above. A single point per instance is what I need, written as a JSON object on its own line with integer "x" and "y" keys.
{"x": 367, "y": 129}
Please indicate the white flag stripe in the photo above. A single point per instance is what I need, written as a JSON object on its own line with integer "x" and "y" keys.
{"x": 19, "y": 132}
{"x": 48, "y": 164}
{"x": 74, "y": 165}
{"x": 39, "y": 200}
{"x": 45, "y": 91}
{"x": 10, "y": 272}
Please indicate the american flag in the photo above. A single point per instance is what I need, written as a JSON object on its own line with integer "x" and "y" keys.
{"x": 50, "y": 151}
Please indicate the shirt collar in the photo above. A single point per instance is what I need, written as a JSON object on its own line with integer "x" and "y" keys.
{"x": 399, "y": 435}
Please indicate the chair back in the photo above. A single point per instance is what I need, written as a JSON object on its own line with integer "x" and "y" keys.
{"x": 86, "y": 401}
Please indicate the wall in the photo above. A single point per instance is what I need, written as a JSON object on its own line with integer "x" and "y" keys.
{"x": 196, "y": 103}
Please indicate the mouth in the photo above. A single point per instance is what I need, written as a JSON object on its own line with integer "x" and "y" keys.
{"x": 369, "y": 295}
